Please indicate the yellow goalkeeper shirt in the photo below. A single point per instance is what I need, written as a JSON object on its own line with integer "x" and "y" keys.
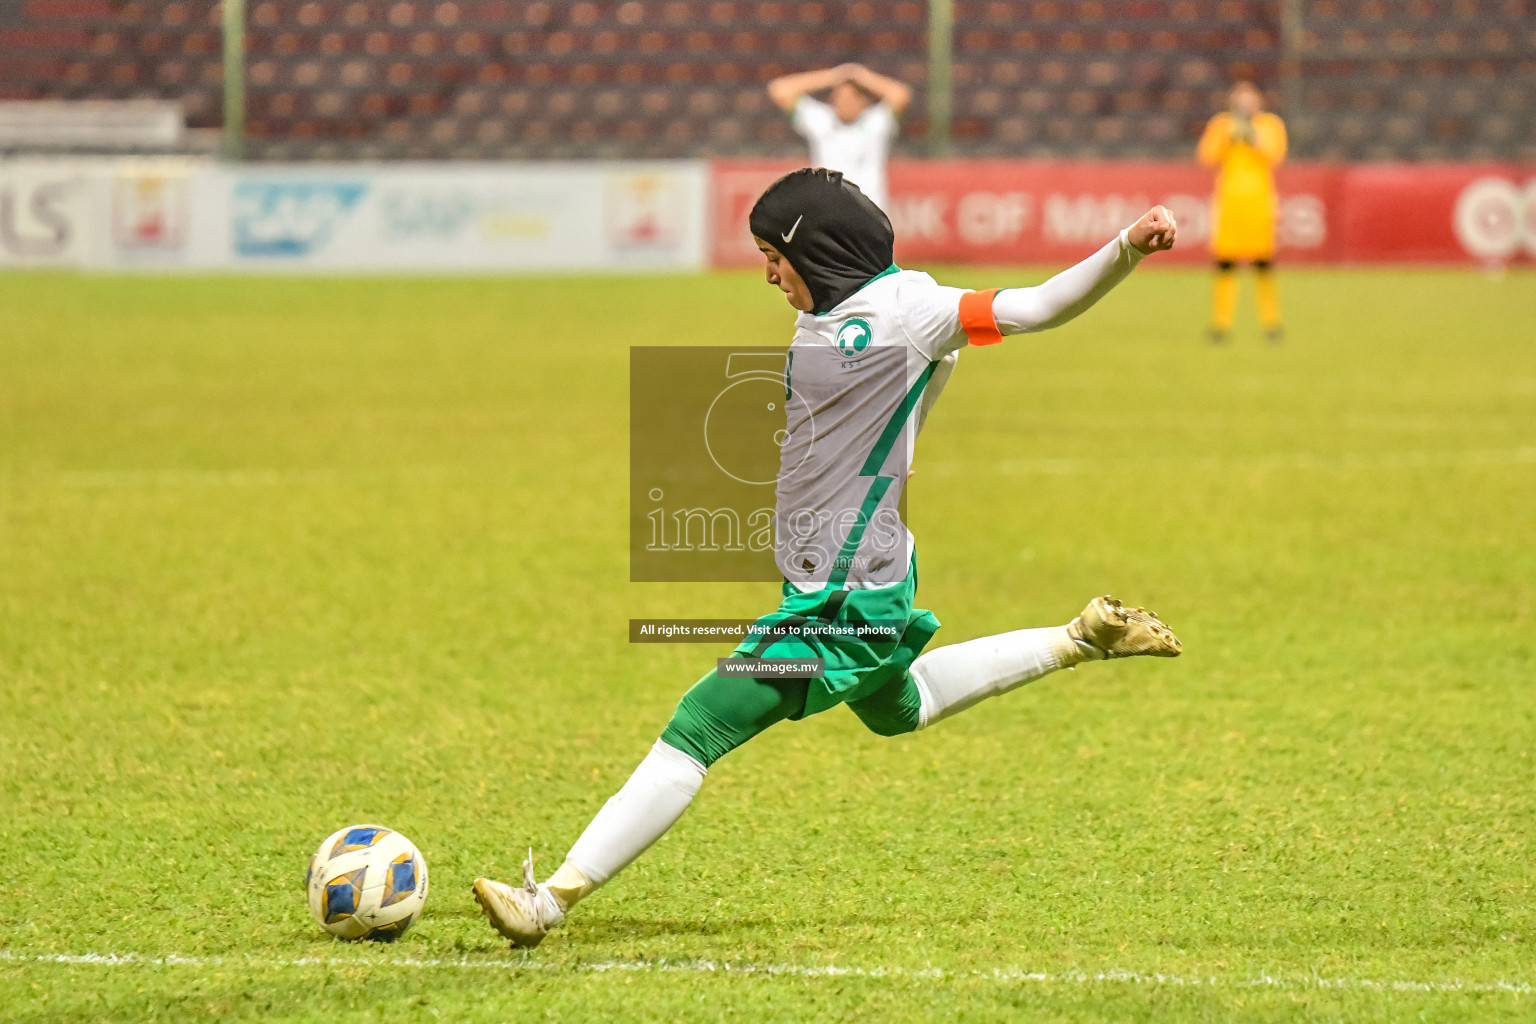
{"x": 1246, "y": 203}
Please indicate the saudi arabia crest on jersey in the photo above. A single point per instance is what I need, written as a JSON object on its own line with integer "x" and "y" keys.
{"x": 853, "y": 337}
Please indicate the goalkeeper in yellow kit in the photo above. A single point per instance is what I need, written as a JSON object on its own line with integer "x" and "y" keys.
{"x": 1244, "y": 144}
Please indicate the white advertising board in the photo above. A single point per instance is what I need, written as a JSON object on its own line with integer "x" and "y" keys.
{"x": 45, "y": 212}
{"x": 147, "y": 214}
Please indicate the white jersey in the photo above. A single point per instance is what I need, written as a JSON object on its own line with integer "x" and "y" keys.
{"x": 859, "y": 382}
{"x": 858, "y": 149}
{"x": 858, "y": 386}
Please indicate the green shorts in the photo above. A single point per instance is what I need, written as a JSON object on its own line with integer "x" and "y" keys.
{"x": 865, "y": 637}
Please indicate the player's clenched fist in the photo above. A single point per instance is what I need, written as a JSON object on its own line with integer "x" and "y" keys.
{"x": 1154, "y": 232}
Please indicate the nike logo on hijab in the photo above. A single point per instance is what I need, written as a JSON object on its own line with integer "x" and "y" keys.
{"x": 848, "y": 242}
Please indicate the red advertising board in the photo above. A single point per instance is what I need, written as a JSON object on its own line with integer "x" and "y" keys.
{"x": 1023, "y": 211}
{"x": 1437, "y": 213}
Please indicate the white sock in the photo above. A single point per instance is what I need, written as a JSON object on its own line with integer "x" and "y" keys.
{"x": 951, "y": 679}
{"x": 655, "y": 796}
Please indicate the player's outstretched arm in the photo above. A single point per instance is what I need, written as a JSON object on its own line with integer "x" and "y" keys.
{"x": 1023, "y": 310}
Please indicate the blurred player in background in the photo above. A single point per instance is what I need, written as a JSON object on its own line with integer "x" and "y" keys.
{"x": 852, "y": 132}
{"x": 1244, "y": 144}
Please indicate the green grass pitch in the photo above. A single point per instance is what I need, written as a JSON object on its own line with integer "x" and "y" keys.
{"x": 279, "y": 555}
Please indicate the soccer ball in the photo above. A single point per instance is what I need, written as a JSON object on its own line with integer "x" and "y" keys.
{"x": 366, "y": 882}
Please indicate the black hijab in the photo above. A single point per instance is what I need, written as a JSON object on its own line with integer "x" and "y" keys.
{"x": 834, "y": 236}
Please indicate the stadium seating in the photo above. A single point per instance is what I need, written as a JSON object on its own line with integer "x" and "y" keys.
{"x": 1364, "y": 79}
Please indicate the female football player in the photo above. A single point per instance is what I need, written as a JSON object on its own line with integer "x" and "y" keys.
{"x": 873, "y": 347}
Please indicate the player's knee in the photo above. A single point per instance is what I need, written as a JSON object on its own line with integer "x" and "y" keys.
{"x": 720, "y": 714}
{"x": 1262, "y": 266}
{"x": 1225, "y": 266}
{"x": 890, "y": 726}
{"x": 697, "y": 733}
{"x": 886, "y": 720}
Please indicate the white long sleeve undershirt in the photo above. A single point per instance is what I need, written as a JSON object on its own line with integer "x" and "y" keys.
{"x": 1023, "y": 310}
{"x": 1041, "y": 307}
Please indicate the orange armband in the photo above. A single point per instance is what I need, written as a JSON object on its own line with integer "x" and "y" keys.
{"x": 977, "y": 319}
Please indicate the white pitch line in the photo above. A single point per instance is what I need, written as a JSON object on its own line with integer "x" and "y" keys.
{"x": 1113, "y": 976}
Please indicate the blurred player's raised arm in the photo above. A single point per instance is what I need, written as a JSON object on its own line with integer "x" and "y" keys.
{"x": 786, "y": 90}
{"x": 1270, "y": 139}
{"x": 893, "y": 93}
{"x": 1215, "y": 141}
